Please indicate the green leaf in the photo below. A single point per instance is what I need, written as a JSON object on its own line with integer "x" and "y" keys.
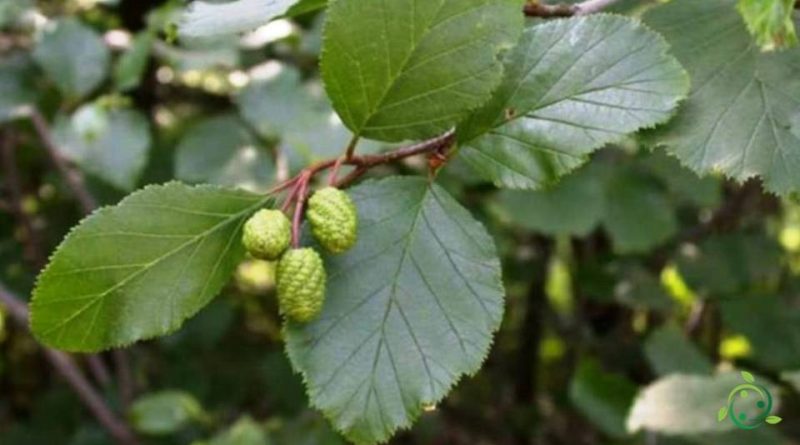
{"x": 739, "y": 114}
{"x": 205, "y": 18}
{"x": 770, "y": 324}
{"x": 132, "y": 64}
{"x": 109, "y": 143}
{"x": 571, "y": 87}
{"x": 731, "y": 263}
{"x": 164, "y": 413}
{"x": 306, "y": 6}
{"x": 602, "y": 397}
{"x": 284, "y": 108}
{"x": 748, "y": 377}
{"x": 771, "y": 22}
{"x": 669, "y": 351}
{"x": 774, "y": 420}
{"x": 638, "y": 214}
{"x": 574, "y": 206}
{"x": 139, "y": 269}
{"x": 244, "y": 432}
{"x": 74, "y": 57}
{"x": 685, "y": 405}
{"x": 410, "y": 69}
{"x": 411, "y": 309}
{"x": 723, "y": 414}
{"x": 17, "y": 86}
{"x": 223, "y": 151}
{"x": 684, "y": 184}
{"x": 12, "y": 11}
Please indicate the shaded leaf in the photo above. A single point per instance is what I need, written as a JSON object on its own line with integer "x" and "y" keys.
{"x": 638, "y": 214}
{"x": 139, "y": 269}
{"x": 74, "y": 57}
{"x": 17, "y": 89}
{"x": 574, "y": 206}
{"x": 244, "y": 432}
{"x": 685, "y": 405}
{"x": 407, "y": 69}
{"x": 411, "y": 309}
{"x": 223, "y": 151}
{"x": 730, "y": 263}
{"x": 110, "y": 143}
{"x": 209, "y": 19}
{"x": 669, "y": 351}
{"x": 164, "y": 412}
{"x": 571, "y": 87}
{"x": 764, "y": 319}
{"x": 737, "y": 119}
{"x": 602, "y": 397}
{"x": 771, "y": 22}
{"x": 132, "y": 64}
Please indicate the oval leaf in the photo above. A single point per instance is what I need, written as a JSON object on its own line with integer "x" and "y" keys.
{"x": 410, "y": 69}
{"x": 223, "y": 151}
{"x": 111, "y": 144}
{"x": 209, "y": 19}
{"x": 571, "y": 86}
{"x": 74, "y": 57}
{"x": 139, "y": 269}
{"x": 409, "y": 310}
{"x": 682, "y": 404}
{"x": 738, "y": 119}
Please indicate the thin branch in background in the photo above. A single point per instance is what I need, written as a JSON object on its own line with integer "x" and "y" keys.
{"x": 71, "y": 373}
{"x": 77, "y": 185}
{"x": 535, "y": 8}
{"x": 73, "y": 178}
{"x": 99, "y": 370}
{"x": 694, "y": 323}
{"x": 32, "y": 243}
{"x": 127, "y": 388}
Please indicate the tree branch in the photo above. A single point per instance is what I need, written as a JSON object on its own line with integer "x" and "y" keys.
{"x": 72, "y": 177}
{"x": 69, "y": 371}
{"x": 535, "y": 8}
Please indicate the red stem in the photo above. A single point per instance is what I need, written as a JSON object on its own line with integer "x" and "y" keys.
{"x": 300, "y": 198}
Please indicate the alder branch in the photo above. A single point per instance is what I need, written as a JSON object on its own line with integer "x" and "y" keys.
{"x": 535, "y": 8}
{"x": 298, "y": 186}
{"x": 69, "y": 371}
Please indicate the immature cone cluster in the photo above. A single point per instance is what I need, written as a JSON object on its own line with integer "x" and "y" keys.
{"x": 334, "y": 219}
{"x": 267, "y": 234}
{"x": 301, "y": 284}
{"x": 301, "y": 276}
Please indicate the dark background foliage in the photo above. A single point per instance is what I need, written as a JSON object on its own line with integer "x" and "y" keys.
{"x": 631, "y": 270}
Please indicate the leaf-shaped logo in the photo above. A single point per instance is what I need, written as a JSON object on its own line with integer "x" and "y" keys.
{"x": 747, "y": 412}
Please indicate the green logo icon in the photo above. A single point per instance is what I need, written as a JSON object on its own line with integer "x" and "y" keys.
{"x": 749, "y": 405}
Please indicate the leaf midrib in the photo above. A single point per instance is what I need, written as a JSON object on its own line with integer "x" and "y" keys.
{"x": 98, "y": 297}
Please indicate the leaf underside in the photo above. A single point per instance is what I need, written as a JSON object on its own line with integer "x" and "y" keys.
{"x": 208, "y": 19}
{"x": 139, "y": 269}
{"x": 571, "y": 86}
{"x": 409, "y": 310}
{"x": 742, "y": 117}
{"x": 412, "y": 69}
